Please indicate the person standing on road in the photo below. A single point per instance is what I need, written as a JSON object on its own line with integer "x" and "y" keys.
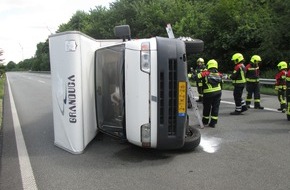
{"x": 253, "y": 85}
{"x": 280, "y": 85}
{"x": 239, "y": 81}
{"x": 199, "y": 68}
{"x": 211, "y": 82}
{"x": 288, "y": 94}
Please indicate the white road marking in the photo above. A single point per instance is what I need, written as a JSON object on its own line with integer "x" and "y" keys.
{"x": 27, "y": 176}
{"x": 41, "y": 81}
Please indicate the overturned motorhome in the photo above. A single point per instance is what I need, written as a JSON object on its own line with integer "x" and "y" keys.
{"x": 135, "y": 90}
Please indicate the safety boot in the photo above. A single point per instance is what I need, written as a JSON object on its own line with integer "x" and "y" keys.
{"x": 248, "y": 104}
{"x": 282, "y": 108}
{"x": 205, "y": 121}
{"x": 258, "y": 106}
{"x": 211, "y": 125}
{"x": 236, "y": 113}
{"x": 244, "y": 108}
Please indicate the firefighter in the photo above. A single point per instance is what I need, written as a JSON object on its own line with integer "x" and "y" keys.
{"x": 199, "y": 68}
{"x": 280, "y": 85}
{"x": 211, "y": 82}
{"x": 288, "y": 94}
{"x": 239, "y": 80}
{"x": 252, "y": 84}
{"x": 190, "y": 75}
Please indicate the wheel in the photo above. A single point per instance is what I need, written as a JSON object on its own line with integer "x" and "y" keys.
{"x": 192, "y": 139}
{"x": 288, "y": 117}
{"x": 194, "y": 46}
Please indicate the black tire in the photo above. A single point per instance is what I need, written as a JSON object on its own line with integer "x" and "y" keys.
{"x": 288, "y": 117}
{"x": 194, "y": 46}
{"x": 192, "y": 139}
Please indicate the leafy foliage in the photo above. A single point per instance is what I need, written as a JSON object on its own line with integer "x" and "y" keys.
{"x": 226, "y": 26}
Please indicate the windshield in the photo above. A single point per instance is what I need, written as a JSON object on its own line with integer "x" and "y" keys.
{"x": 109, "y": 84}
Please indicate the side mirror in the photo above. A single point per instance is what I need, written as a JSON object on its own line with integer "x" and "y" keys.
{"x": 123, "y": 31}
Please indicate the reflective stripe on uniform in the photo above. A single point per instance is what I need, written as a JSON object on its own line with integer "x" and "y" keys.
{"x": 214, "y": 117}
{"x": 212, "y": 89}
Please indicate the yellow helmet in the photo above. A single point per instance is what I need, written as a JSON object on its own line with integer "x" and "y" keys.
{"x": 282, "y": 65}
{"x": 256, "y": 59}
{"x": 212, "y": 64}
{"x": 200, "y": 60}
{"x": 237, "y": 58}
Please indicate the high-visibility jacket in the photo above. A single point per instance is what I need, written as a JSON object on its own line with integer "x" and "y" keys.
{"x": 252, "y": 73}
{"x": 238, "y": 77}
{"x": 281, "y": 79}
{"x": 211, "y": 80}
{"x": 199, "y": 69}
{"x": 189, "y": 75}
{"x": 288, "y": 79}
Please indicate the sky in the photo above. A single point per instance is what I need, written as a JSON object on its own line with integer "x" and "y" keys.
{"x": 25, "y": 23}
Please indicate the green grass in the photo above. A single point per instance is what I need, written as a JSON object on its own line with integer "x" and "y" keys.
{"x": 2, "y": 82}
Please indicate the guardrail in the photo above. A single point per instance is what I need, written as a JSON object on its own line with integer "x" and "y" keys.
{"x": 267, "y": 81}
{"x": 262, "y": 81}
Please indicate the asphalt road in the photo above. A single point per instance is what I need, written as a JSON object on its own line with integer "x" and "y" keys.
{"x": 249, "y": 152}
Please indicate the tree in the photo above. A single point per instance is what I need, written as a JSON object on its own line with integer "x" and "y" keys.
{"x": 1, "y": 54}
{"x": 11, "y": 66}
{"x": 79, "y": 22}
{"x": 226, "y": 26}
{"x": 276, "y": 46}
{"x": 24, "y": 65}
{"x": 41, "y": 60}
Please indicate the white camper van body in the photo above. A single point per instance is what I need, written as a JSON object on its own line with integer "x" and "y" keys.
{"x": 72, "y": 78}
{"x": 134, "y": 90}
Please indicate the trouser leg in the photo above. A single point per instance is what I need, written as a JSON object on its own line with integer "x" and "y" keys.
{"x": 257, "y": 96}
{"x": 288, "y": 103}
{"x": 249, "y": 89}
{"x": 206, "y": 109}
{"x": 288, "y": 99}
{"x": 199, "y": 91}
{"x": 239, "y": 102}
{"x": 238, "y": 92}
{"x": 215, "y": 109}
{"x": 281, "y": 98}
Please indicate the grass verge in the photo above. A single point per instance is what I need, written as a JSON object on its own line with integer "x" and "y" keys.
{"x": 2, "y": 82}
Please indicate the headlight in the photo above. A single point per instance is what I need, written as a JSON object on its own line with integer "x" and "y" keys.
{"x": 145, "y": 63}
